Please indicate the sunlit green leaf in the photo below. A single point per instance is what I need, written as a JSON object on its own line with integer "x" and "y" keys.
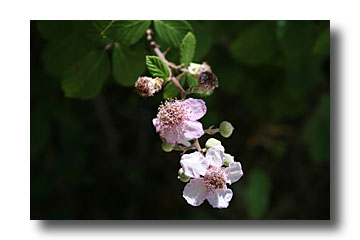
{"x": 157, "y": 67}
{"x": 187, "y": 48}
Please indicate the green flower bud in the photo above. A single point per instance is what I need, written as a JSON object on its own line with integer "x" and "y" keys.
{"x": 211, "y": 142}
{"x": 182, "y": 177}
{"x": 167, "y": 147}
{"x": 226, "y": 129}
{"x": 228, "y": 159}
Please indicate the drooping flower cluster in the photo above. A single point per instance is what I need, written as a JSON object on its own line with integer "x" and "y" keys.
{"x": 209, "y": 178}
{"x": 177, "y": 122}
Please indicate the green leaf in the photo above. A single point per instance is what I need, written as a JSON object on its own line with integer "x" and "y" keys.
{"x": 62, "y": 51}
{"x": 172, "y": 31}
{"x": 127, "y": 65}
{"x": 204, "y": 39}
{"x": 192, "y": 81}
{"x": 171, "y": 91}
{"x": 157, "y": 67}
{"x": 257, "y": 194}
{"x": 187, "y": 48}
{"x": 92, "y": 30}
{"x": 297, "y": 40}
{"x": 256, "y": 45}
{"x": 53, "y": 29}
{"x": 85, "y": 78}
{"x": 126, "y": 32}
{"x": 316, "y": 132}
{"x": 322, "y": 43}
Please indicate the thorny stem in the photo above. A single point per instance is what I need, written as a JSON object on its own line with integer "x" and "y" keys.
{"x": 169, "y": 64}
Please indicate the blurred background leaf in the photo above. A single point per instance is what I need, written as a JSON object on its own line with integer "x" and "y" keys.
{"x": 258, "y": 193}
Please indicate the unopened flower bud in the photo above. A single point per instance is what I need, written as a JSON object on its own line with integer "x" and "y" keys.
{"x": 167, "y": 147}
{"x": 208, "y": 80}
{"x": 204, "y": 67}
{"x": 194, "y": 68}
{"x": 228, "y": 159}
{"x": 226, "y": 129}
{"x": 182, "y": 177}
{"x": 211, "y": 142}
{"x": 147, "y": 86}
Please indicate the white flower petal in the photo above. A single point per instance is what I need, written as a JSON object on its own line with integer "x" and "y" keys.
{"x": 215, "y": 155}
{"x": 195, "y": 192}
{"x": 233, "y": 172}
{"x": 170, "y": 136}
{"x": 220, "y": 198}
{"x": 192, "y": 129}
{"x": 184, "y": 142}
{"x": 156, "y": 124}
{"x": 194, "y": 164}
{"x": 197, "y": 108}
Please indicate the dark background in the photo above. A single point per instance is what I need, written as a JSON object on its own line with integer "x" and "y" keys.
{"x": 102, "y": 159}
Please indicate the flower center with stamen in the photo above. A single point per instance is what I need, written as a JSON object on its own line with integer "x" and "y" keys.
{"x": 214, "y": 178}
{"x": 171, "y": 114}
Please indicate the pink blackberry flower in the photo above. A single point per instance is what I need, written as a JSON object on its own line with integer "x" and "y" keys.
{"x": 212, "y": 186}
{"x": 176, "y": 120}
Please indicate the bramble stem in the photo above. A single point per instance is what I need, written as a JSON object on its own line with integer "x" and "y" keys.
{"x": 170, "y": 65}
{"x": 197, "y": 144}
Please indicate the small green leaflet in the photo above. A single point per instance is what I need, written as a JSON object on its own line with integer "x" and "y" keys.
{"x": 127, "y": 65}
{"x": 85, "y": 78}
{"x": 157, "y": 67}
{"x": 187, "y": 49}
{"x": 172, "y": 32}
{"x": 126, "y": 32}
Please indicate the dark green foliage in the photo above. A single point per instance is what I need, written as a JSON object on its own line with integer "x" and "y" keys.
{"x": 128, "y": 64}
{"x": 256, "y": 44}
{"x": 257, "y": 194}
{"x": 85, "y": 78}
{"x": 126, "y": 32}
{"x": 316, "y": 133}
{"x": 172, "y": 32}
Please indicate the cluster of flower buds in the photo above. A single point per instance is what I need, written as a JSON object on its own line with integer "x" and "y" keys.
{"x": 147, "y": 86}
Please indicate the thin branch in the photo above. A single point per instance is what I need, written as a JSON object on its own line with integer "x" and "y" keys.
{"x": 197, "y": 144}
